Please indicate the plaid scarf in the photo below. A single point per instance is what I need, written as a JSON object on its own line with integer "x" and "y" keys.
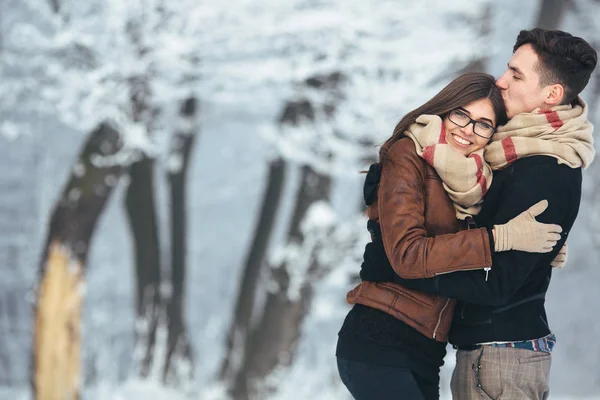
{"x": 562, "y": 132}
{"x": 465, "y": 179}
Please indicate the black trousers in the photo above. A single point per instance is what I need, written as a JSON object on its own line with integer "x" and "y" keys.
{"x": 374, "y": 382}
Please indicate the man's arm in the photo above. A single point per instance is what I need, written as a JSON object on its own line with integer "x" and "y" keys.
{"x": 510, "y": 268}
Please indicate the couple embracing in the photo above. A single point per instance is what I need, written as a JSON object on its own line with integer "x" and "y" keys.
{"x": 469, "y": 209}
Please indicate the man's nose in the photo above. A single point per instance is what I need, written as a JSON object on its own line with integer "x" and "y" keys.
{"x": 501, "y": 83}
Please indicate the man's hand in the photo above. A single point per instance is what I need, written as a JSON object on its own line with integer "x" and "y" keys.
{"x": 524, "y": 233}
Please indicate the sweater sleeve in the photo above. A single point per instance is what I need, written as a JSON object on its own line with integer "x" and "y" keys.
{"x": 510, "y": 269}
{"x": 401, "y": 203}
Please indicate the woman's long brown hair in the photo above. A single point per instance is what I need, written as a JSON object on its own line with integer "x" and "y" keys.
{"x": 462, "y": 91}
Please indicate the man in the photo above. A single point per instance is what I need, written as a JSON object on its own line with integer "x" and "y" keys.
{"x": 500, "y": 327}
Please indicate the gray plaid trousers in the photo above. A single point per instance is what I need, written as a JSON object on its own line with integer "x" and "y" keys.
{"x": 501, "y": 373}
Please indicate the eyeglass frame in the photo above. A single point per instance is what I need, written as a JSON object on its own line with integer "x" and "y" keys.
{"x": 471, "y": 121}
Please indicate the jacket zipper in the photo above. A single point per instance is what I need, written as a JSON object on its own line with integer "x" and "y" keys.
{"x": 485, "y": 269}
{"x": 471, "y": 224}
{"x": 459, "y": 270}
{"x": 440, "y": 318}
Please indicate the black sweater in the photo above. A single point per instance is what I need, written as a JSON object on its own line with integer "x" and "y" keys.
{"x": 509, "y": 305}
{"x": 374, "y": 337}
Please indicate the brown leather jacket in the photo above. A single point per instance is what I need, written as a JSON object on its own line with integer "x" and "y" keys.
{"x": 422, "y": 238}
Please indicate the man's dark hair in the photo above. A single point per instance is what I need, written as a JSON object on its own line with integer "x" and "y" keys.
{"x": 563, "y": 58}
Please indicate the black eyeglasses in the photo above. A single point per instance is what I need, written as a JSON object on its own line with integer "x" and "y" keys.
{"x": 481, "y": 129}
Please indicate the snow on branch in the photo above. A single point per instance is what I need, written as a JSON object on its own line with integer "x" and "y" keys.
{"x": 80, "y": 68}
{"x": 391, "y": 62}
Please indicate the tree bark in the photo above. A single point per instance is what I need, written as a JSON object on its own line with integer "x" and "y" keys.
{"x": 179, "y": 364}
{"x": 240, "y": 326}
{"x": 254, "y": 352}
{"x": 484, "y": 24}
{"x": 550, "y": 13}
{"x": 56, "y": 370}
{"x": 272, "y": 342}
{"x": 293, "y": 113}
{"x": 141, "y": 212}
{"x": 55, "y": 5}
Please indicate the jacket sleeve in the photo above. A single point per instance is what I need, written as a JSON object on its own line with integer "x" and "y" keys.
{"x": 510, "y": 269}
{"x": 401, "y": 204}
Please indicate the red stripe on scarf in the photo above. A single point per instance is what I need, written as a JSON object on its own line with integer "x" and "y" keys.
{"x": 480, "y": 177}
{"x": 428, "y": 154}
{"x": 443, "y": 136}
{"x": 510, "y": 153}
{"x": 552, "y": 118}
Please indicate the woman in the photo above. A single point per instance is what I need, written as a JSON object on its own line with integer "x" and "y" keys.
{"x": 432, "y": 180}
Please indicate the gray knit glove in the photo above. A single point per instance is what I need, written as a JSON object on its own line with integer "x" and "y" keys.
{"x": 524, "y": 233}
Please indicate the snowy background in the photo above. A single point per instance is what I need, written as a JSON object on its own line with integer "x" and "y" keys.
{"x": 64, "y": 67}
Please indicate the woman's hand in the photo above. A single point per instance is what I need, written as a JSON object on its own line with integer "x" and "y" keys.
{"x": 561, "y": 258}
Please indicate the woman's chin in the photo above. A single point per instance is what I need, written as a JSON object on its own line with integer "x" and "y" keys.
{"x": 465, "y": 151}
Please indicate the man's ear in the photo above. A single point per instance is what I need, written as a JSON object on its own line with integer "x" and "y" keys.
{"x": 554, "y": 94}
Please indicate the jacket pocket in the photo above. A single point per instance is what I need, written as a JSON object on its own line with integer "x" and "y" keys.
{"x": 536, "y": 356}
{"x": 421, "y": 298}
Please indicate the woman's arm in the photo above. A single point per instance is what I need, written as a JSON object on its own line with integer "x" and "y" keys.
{"x": 510, "y": 269}
{"x": 401, "y": 205}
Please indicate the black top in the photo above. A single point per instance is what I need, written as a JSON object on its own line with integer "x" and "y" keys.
{"x": 509, "y": 305}
{"x": 374, "y": 337}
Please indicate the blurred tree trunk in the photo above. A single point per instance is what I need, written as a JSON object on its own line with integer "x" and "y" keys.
{"x": 551, "y": 13}
{"x": 179, "y": 364}
{"x": 293, "y": 113}
{"x": 254, "y": 352}
{"x": 483, "y": 26}
{"x": 141, "y": 212}
{"x": 55, "y": 5}
{"x": 240, "y": 326}
{"x": 158, "y": 311}
{"x": 140, "y": 207}
{"x": 56, "y": 370}
{"x": 272, "y": 341}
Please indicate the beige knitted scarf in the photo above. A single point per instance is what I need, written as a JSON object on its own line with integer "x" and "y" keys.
{"x": 465, "y": 179}
{"x": 562, "y": 132}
